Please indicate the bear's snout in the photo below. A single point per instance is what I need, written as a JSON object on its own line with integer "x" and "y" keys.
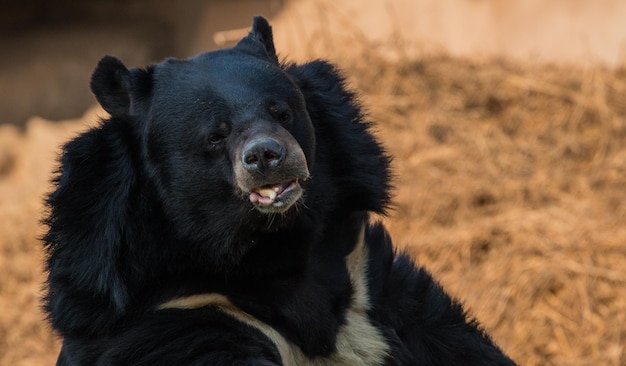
{"x": 262, "y": 155}
{"x": 269, "y": 168}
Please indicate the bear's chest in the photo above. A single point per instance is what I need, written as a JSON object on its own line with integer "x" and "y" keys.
{"x": 358, "y": 341}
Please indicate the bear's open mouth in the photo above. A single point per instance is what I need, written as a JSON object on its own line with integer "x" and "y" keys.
{"x": 279, "y": 196}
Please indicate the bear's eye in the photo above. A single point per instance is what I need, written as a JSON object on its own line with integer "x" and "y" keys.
{"x": 215, "y": 138}
{"x": 280, "y": 114}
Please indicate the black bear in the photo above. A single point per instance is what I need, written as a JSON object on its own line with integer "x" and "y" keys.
{"x": 220, "y": 216}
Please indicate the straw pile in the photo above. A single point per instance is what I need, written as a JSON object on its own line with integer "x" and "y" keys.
{"x": 510, "y": 188}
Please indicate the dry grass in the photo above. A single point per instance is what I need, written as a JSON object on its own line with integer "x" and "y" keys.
{"x": 26, "y": 163}
{"x": 510, "y": 188}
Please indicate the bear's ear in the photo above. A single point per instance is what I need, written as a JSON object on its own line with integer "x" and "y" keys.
{"x": 260, "y": 41}
{"x": 110, "y": 83}
{"x": 119, "y": 90}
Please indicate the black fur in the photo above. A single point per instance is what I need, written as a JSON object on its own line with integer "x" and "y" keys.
{"x": 155, "y": 205}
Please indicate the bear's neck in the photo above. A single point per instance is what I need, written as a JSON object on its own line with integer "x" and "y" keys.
{"x": 284, "y": 258}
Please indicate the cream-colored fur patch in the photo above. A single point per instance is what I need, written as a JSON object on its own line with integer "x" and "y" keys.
{"x": 358, "y": 341}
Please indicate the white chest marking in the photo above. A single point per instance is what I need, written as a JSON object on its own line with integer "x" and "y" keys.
{"x": 358, "y": 341}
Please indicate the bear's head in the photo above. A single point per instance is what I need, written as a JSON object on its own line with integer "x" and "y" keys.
{"x": 218, "y": 129}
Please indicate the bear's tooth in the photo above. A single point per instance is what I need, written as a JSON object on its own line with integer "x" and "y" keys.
{"x": 267, "y": 192}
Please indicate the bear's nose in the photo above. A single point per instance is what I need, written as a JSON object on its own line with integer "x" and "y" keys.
{"x": 262, "y": 155}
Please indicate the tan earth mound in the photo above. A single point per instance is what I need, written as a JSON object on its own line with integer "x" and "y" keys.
{"x": 510, "y": 188}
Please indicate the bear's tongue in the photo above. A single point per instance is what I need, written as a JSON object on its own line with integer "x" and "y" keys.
{"x": 267, "y": 194}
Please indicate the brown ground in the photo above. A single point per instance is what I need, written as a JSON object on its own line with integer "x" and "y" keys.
{"x": 511, "y": 189}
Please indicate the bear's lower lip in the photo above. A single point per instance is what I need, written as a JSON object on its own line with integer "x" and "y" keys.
{"x": 278, "y": 197}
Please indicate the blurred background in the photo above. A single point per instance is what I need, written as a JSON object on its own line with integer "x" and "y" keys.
{"x": 506, "y": 119}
